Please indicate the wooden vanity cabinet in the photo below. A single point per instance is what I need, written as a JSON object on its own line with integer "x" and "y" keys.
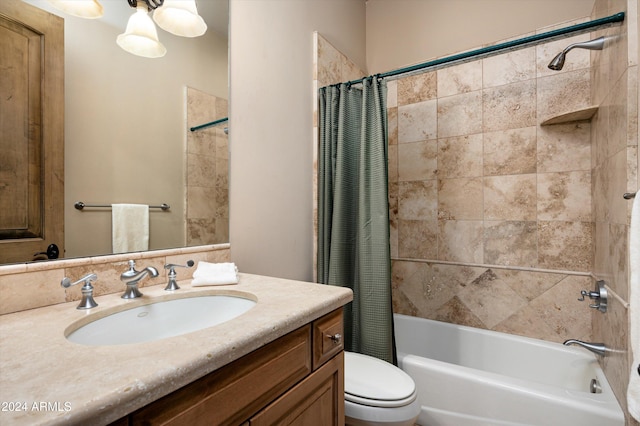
{"x": 297, "y": 379}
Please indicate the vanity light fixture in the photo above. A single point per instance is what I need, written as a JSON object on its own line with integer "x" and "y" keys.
{"x": 141, "y": 38}
{"x": 179, "y": 17}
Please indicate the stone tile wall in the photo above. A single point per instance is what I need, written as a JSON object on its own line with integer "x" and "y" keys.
{"x": 37, "y": 284}
{"x": 490, "y": 211}
{"x": 207, "y": 180}
{"x": 614, "y": 169}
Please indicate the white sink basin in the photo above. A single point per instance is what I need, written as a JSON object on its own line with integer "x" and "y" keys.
{"x": 161, "y": 320}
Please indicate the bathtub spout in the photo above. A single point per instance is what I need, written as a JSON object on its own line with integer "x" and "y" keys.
{"x": 597, "y": 348}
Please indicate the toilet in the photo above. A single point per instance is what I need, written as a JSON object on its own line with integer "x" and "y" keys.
{"x": 377, "y": 393}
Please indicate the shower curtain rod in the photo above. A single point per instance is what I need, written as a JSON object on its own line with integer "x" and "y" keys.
{"x": 210, "y": 124}
{"x": 502, "y": 47}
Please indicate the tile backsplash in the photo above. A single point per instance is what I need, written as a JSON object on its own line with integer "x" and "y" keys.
{"x": 33, "y": 285}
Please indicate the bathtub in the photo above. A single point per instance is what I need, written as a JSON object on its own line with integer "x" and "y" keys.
{"x": 471, "y": 377}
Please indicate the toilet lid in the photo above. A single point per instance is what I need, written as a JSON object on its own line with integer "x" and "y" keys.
{"x": 371, "y": 381}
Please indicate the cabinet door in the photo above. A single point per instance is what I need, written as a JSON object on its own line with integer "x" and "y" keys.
{"x": 234, "y": 393}
{"x": 316, "y": 401}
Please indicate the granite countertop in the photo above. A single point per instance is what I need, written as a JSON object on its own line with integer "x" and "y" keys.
{"x": 45, "y": 379}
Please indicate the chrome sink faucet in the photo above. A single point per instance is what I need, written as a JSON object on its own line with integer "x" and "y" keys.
{"x": 131, "y": 277}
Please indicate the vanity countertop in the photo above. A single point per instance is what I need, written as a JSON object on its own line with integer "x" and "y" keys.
{"x": 45, "y": 379}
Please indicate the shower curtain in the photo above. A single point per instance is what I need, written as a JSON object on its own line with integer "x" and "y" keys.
{"x": 353, "y": 211}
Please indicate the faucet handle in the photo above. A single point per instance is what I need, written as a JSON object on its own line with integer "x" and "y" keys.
{"x": 599, "y": 296}
{"x": 87, "y": 301}
{"x": 172, "y": 284}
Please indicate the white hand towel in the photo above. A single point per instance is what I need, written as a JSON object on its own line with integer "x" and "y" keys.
{"x": 129, "y": 227}
{"x": 633, "y": 391}
{"x": 215, "y": 274}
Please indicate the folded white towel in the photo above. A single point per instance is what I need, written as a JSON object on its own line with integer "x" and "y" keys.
{"x": 130, "y": 227}
{"x": 633, "y": 391}
{"x": 215, "y": 274}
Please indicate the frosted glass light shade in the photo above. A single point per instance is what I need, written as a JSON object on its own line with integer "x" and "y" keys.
{"x": 141, "y": 37}
{"x": 90, "y": 9}
{"x": 180, "y": 17}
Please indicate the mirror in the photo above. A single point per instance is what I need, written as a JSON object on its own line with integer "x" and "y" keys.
{"x": 127, "y": 137}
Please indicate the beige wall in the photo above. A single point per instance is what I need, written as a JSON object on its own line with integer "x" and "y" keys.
{"x": 405, "y": 32}
{"x": 125, "y": 127}
{"x": 271, "y": 139}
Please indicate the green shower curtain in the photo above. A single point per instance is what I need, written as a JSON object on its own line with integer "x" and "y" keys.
{"x": 353, "y": 211}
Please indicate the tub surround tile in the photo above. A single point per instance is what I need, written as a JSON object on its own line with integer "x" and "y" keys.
{"x": 419, "y": 160}
{"x": 392, "y": 94}
{"x": 456, "y": 312}
{"x": 510, "y": 67}
{"x": 392, "y": 121}
{"x": 393, "y": 218}
{"x": 528, "y": 284}
{"x": 392, "y": 164}
{"x": 617, "y": 262}
{"x": 460, "y": 79}
{"x": 564, "y": 196}
{"x": 417, "y": 88}
{"x": 460, "y": 241}
{"x": 329, "y": 63}
{"x": 460, "y": 156}
{"x": 565, "y": 245}
{"x": 510, "y": 152}
{"x": 490, "y": 299}
{"x": 460, "y": 199}
{"x": 509, "y": 106}
{"x": 207, "y": 170}
{"x": 510, "y": 243}
{"x": 418, "y": 200}
{"x": 460, "y": 114}
{"x": 561, "y": 93}
{"x": 564, "y": 147}
{"x": 560, "y": 308}
{"x": 528, "y": 322}
{"x": 612, "y": 329}
{"x": 503, "y": 183}
{"x": 417, "y": 122}
{"x": 510, "y": 197}
{"x": 419, "y": 283}
{"x": 528, "y": 303}
{"x": 418, "y": 239}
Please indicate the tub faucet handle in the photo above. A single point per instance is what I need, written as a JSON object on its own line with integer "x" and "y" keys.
{"x": 599, "y": 295}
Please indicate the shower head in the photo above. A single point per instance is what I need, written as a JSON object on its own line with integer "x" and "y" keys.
{"x": 558, "y": 61}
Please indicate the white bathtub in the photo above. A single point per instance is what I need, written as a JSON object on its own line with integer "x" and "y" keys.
{"x": 470, "y": 377}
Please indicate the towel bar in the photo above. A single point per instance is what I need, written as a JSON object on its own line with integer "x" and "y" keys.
{"x": 629, "y": 195}
{"x": 80, "y": 205}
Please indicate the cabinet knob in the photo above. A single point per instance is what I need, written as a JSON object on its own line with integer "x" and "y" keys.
{"x": 336, "y": 338}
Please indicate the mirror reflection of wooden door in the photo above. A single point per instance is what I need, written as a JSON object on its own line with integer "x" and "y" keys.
{"x": 31, "y": 132}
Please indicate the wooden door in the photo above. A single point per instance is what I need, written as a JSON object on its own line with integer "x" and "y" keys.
{"x": 31, "y": 131}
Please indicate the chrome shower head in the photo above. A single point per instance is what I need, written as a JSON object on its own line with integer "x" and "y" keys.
{"x": 558, "y": 61}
